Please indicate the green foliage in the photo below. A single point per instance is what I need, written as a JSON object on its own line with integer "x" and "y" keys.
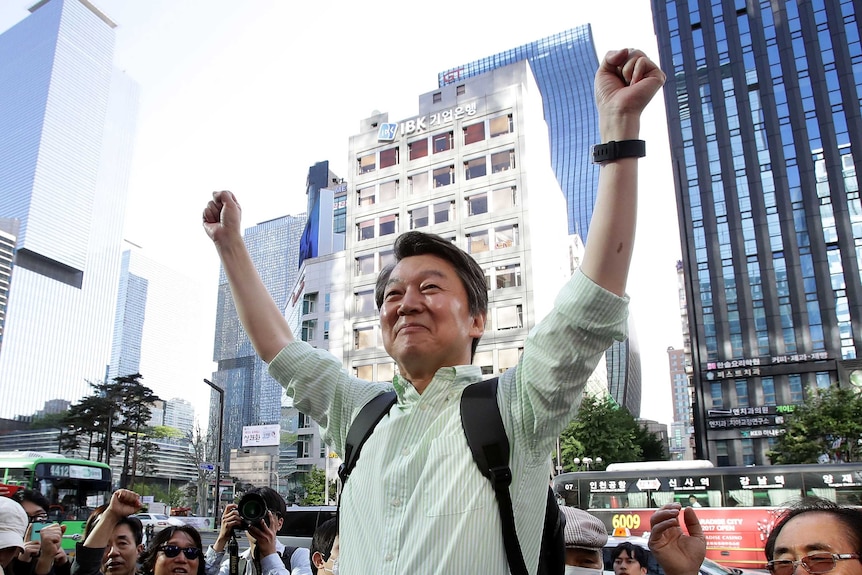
{"x": 829, "y": 423}
{"x": 314, "y": 484}
{"x": 604, "y": 429}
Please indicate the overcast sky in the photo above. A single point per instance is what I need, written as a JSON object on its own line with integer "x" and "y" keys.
{"x": 246, "y": 95}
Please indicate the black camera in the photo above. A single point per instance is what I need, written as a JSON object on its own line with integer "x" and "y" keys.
{"x": 253, "y": 510}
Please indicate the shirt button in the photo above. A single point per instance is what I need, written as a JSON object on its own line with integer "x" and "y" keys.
{"x": 396, "y": 502}
{"x": 424, "y": 406}
{"x": 388, "y": 557}
{"x": 405, "y": 452}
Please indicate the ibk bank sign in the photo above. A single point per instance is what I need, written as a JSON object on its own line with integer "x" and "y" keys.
{"x": 388, "y": 132}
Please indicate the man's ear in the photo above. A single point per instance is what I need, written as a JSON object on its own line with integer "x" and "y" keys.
{"x": 317, "y": 559}
{"x": 140, "y": 548}
{"x": 478, "y": 328}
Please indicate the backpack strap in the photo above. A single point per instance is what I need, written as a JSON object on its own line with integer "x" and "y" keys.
{"x": 361, "y": 429}
{"x": 486, "y": 436}
{"x": 287, "y": 555}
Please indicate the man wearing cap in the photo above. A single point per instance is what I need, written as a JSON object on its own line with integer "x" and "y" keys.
{"x": 13, "y": 524}
{"x": 585, "y": 536}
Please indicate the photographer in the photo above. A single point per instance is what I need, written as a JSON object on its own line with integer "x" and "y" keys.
{"x": 265, "y": 555}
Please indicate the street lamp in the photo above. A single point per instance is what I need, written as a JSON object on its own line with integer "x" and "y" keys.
{"x": 218, "y": 463}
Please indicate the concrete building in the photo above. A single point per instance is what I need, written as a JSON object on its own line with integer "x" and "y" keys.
{"x": 765, "y": 124}
{"x": 68, "y": 119}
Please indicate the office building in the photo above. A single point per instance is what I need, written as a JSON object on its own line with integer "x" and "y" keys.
{"x": 159, "y": 324}
{"x": 251, "y": 396}
{"x": 8, "y": 236}
{"x": 67, "y": 117}
{"x": 564, "y": 66}
{"x": 764, "y": 122}
{"x": 473, "y": 167}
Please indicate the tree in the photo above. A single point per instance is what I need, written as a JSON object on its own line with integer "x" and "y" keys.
{"x": 201, "y": 450}
{"x": 604, "y": 429}
{"x": 314, "y": 484}
{"x": 827, "y": 424}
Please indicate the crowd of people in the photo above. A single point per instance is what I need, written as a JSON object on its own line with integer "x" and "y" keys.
{"x": 815, "y": 534}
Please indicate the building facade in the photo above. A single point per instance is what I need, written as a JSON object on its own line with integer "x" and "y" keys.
{"x": 68, "y": 118}
{"x": 473, "y": 167}
{"x": 564, "y": 66}
{"x": 765, "y": 122}
{"x": 251, "y": 396}
{"x": 158, "y": 324}
{"x": 8, "y": 236}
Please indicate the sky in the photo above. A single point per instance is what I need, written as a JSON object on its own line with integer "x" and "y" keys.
{"x": 245, "y": 95}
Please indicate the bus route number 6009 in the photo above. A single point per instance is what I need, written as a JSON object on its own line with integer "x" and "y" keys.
{"x": 627, "y": 521}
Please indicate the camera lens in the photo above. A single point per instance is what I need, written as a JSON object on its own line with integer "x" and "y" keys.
{"x": 252, "y": 508}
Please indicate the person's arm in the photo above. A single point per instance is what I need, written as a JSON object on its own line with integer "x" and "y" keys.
{"x": 625, "y": 83}
{"x": 123, "y": 503}
{"x": 263, "y": 321}
{"x": 677, "y": 552}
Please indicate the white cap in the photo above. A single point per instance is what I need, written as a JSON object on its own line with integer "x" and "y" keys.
{"x": 13, "y": 523}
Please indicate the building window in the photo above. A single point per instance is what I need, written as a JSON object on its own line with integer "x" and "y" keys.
{"x": 477, "y": 242}
{"x": 366, "y": 164}
{"x": 721, "y": 455}
{"x": 325, "y": 330}
{"x": 309, "y": 303}
{"x": 509, "y": 317}
{"x": 365, "y": 372}
{"x": 477, "y": 204}
{"x": 327, "y": 298}
{"x": 388, "y": 224}
{"x": 388, "y": 191}
{"x": 363, "y": 337}
{"x": 385, "y": 371}
{"x": 507, "y": 276}
{"x": 500, "y": 125}
{"x": 365, "y": 230}
{"x": 418, "y": 183}
{"x": 460, "y": 90}
{"x": 308, "y": 329}
{"x": 366, "y": 196}
{"x": 387, "y": 258}
{"x": 365, "y": 265}
{"x": 444, "y": 176}
{"x": 418, "y": 148}
{"x": 437, "y": 97}
{"x": 364, "y": 301}
{"x": 418, "y": 217}
{"x": 485, "y": 360}
{"x": 388, "y": 158}
{"x": 502, "y": 161}
{"x": 442, "y": 142}
{"x": 715, "y": 392}
{"x": 506, "y": 237}
{"x": 742, "y": 393}
{"x": 475, "y": 168}
{"x": 443, "y": 212}
{"x": 474, "y": 133}
{"x": 507, "y": 358}
{"x": 503, "y": 198}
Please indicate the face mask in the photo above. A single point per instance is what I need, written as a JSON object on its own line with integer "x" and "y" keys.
{"x": 572, "y": 570}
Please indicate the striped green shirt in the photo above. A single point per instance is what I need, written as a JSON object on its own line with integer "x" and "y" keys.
{"x": 416, "y": 502}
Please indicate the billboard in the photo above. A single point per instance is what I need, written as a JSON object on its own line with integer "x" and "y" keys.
{"x": 260, "y": 435}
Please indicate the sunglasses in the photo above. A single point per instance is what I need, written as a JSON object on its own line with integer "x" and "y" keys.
{"x": 815, "y": 564}
{"x": 171, "y": 551}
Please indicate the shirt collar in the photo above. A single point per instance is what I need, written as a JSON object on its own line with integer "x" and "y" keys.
{"x": 445, "y": 379}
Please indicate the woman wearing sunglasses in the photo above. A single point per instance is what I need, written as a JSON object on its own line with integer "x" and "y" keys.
{"x": 813, "y": 537}
{"x": 175, "y": 550}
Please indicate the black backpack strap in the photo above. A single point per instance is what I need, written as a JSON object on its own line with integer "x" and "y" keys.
{"x": 286, "y": 556}
{"x": 486, "y": 436}
{"x": 361, "y": 429}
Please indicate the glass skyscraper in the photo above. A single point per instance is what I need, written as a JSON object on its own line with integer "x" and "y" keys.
{"x": 764, "y": 118}
{"x": 251, "y": 396}
{"x": 564, "y": 66}
{"x": 67, "y": 119}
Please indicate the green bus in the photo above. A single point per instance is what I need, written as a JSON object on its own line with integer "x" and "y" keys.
{"x": 73, "y": 487}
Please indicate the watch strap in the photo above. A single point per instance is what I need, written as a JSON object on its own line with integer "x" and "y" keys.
{"x": 614, "y": 150}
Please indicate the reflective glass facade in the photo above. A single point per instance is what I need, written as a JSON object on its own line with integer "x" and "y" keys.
{"x": 763, "y": 104}
{"x": 67, "y": 119}
{"x": 251, "y": 396}
{"x": 564, "y": 66}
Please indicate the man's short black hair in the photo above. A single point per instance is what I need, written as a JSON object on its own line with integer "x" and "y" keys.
{"x": 470, "y": 273}
{"x": 32, "y": 496}
{"x": 324, "y": 538}
{"x": 636, "y": 552}
{"x": 150, "y": 554}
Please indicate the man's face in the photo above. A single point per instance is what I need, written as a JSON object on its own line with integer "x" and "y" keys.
{"x": 34, "y": 512}
{"x": 121, "y": 554}
{"x": 587, "y": 558}
{"x": 626, "y": 565}
{"x": 425, "y": 317}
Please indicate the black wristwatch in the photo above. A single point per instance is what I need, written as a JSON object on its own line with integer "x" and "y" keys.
{"x": 615, "y": 150}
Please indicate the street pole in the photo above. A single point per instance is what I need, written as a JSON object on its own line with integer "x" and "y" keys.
{"x": 219, "y": 458}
